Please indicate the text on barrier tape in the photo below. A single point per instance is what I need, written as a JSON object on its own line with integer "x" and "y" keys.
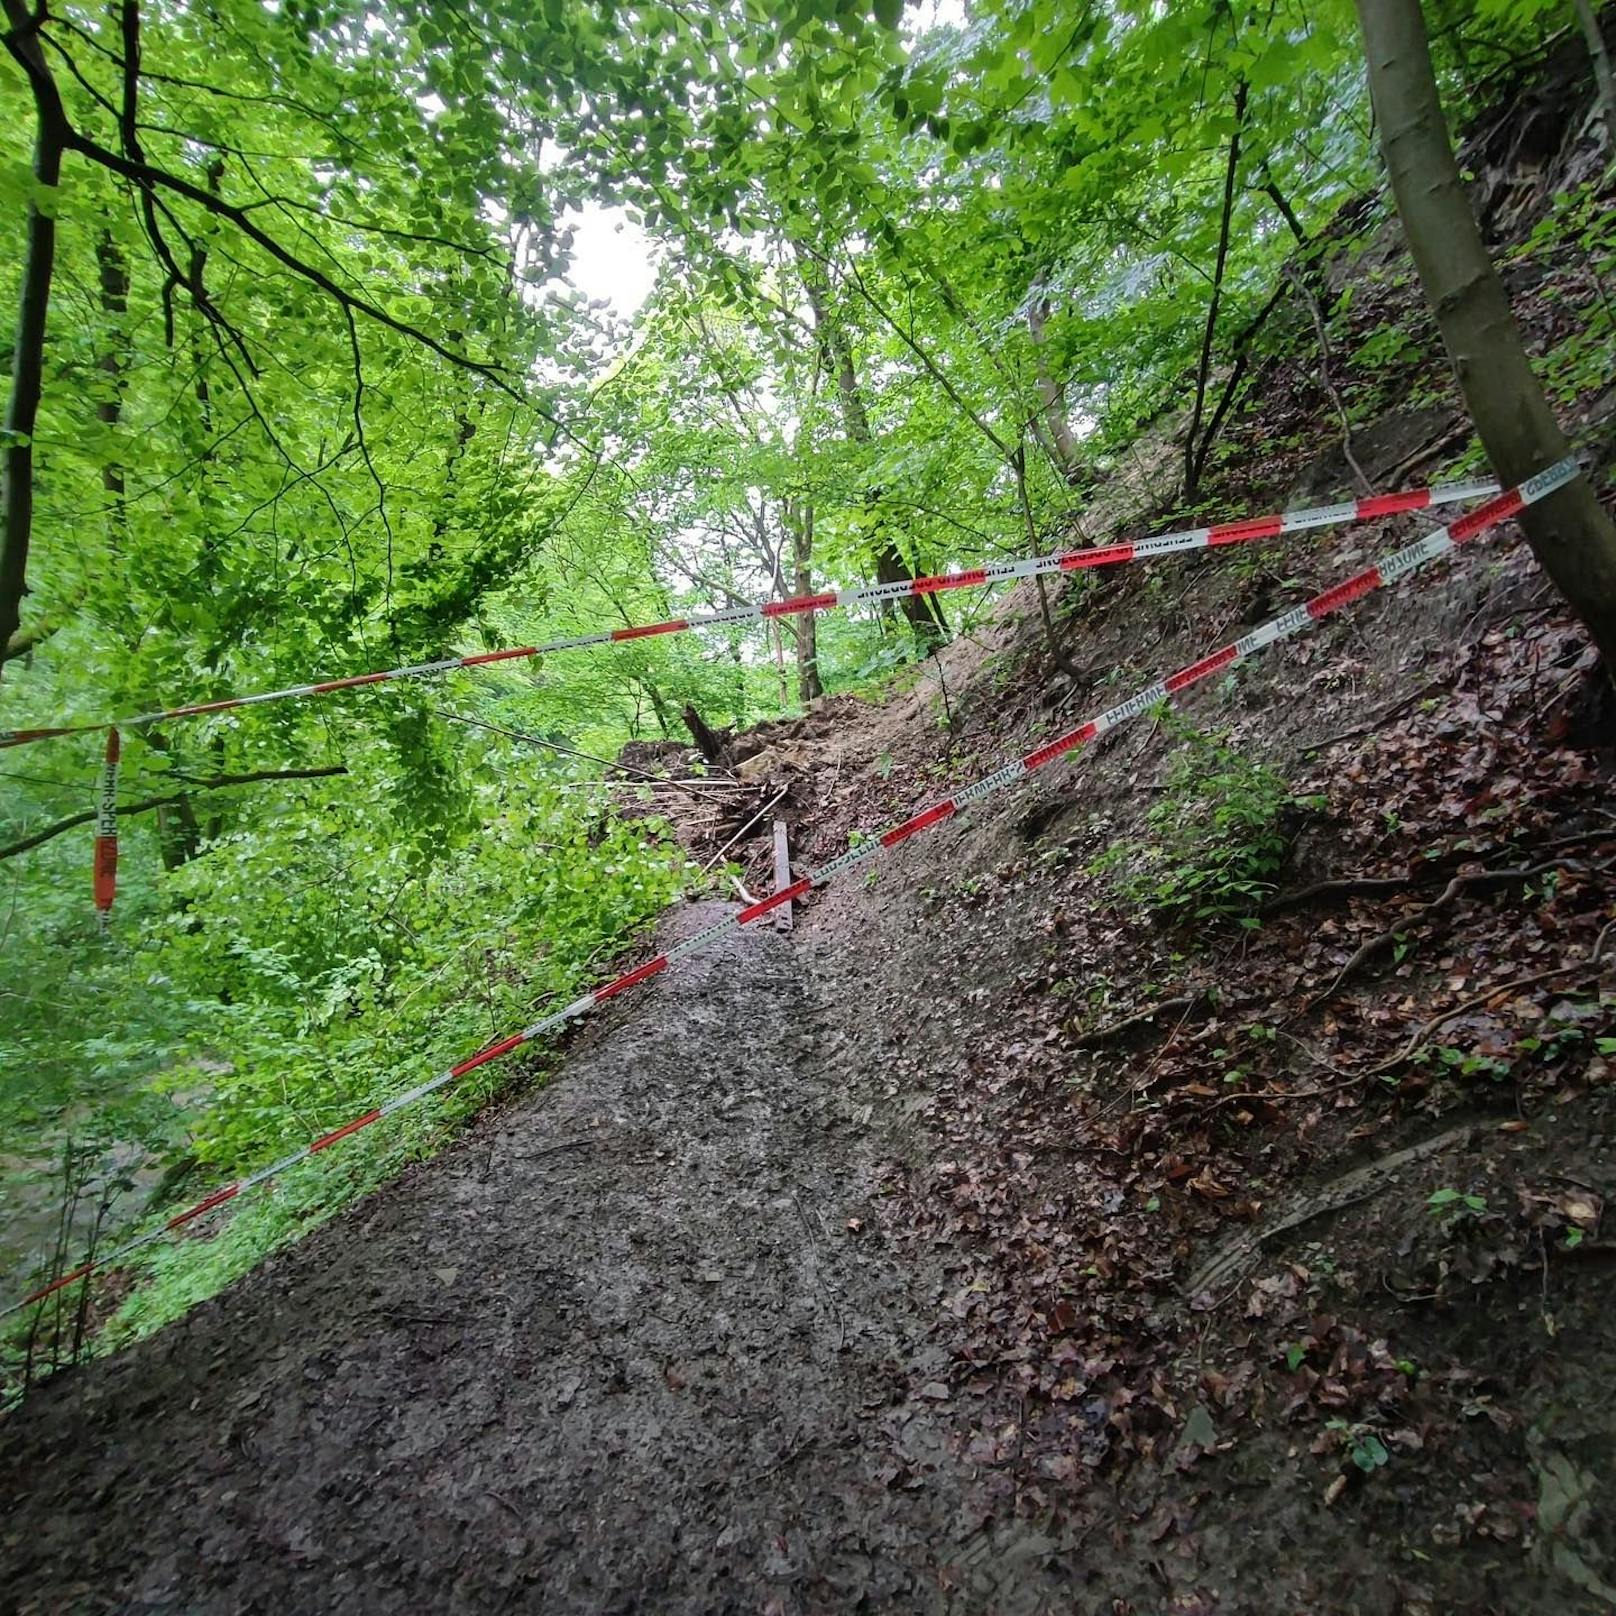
{"x": 106, "y": 830}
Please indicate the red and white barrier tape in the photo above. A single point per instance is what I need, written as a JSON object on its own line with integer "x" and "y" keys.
{"x": 106, "y": 831}
{"x": 1394, "y": 568}
{"x": 1243, "y": 531}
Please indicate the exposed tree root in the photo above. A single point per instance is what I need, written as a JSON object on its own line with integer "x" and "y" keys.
{"x": 1231, "y": 1262}
{"x": 1116, "y": 1030}
{"x": 1408, "y": 1051}
{"x": 1480, "y": 881}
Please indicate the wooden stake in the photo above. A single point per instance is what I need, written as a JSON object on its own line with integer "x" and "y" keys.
{"x": 782, "y": 874}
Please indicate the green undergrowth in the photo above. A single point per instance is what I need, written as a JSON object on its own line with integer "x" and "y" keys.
{"x": 309, "y": 966}
{"x": 1577, "y": 236}
{"x": 1217, "y": 839}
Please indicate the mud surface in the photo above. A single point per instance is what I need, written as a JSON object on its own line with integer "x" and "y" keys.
{"x": 618, "y": 1350}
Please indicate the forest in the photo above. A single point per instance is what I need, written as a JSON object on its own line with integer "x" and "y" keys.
{"x": 392, "y": 338}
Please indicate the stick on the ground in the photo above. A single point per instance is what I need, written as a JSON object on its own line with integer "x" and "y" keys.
{"x": 744, "y": 829}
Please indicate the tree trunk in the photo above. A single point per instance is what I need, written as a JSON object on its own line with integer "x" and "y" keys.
{"x": 114, "y": 274}
{"x": 33, "y": 302}
{"x": 1602, "y": 73}
{"x": 1062, "y": 439}
{"x": 1197, "y": 448}
{"x": 708, "y": 741}
{"x": 659, "y": 708}
{"x": 1570, "y": 535}
{"x": 800, "y": 523}
{"x": 773, "y": 557}
{"x": 923, "y": 611}
{"x": 179, "y": 836}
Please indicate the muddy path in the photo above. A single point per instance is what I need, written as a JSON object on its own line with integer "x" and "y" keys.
{"x": 619, "y": 1349}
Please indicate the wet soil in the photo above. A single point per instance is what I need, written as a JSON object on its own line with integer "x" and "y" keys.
{"x": 620, "y": 1349}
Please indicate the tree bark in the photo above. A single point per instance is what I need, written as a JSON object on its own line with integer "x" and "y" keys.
{"x": 114, "y": 276}
{"x": 923, "y": 611}
{"x": 1196, "y": 450}
{"x": 659, "y": 708}
{"x": 799, "y": 519}
{"x": 1601, "y": 60}
{"x": 1061, "y": 436}
{"x": 33, "y": 303}
{"x": 708, "y": 742}
{"x": 1570, "y": 534}
{"x": 179, "y": 835}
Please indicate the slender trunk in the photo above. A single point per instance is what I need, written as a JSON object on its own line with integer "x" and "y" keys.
{"x": 1195, "y": 451}
{"x": 924, "y": 613}
{"x": 33, "y": 303}
{"x": 1602, "y": 73}
{"x": 1272, "y": 191}
{"x": 465, "y": 431}
{"x": 1061, "y": 437}
{"x": 114, "y": 275}
{"x": 1240, "y": 352}
{"x": 1052, "y": 639}
{"x": 659, "y": 708}
{"x": 179, "y": 836}
{"x": 778, "y": 640}
{"x": 1570, "y": 535}
{"x": 1326, "y": 379}
{"x": 1309, "y": 253}
{"x": 774, "y": 558}
{"x": 199, "y": 269}
{"x": 800, "y": 523}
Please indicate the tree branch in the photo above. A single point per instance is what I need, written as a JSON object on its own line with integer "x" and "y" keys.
{"x": 932, "y": 368}
{"x": 147, "y": 174}
{"x": 218, "y": 783}
{"x": 51, "y": 133}
{"x": 1242, "y": 352}
{"x": 1194, "y": 459}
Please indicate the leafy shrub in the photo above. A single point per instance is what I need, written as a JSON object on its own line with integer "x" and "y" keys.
{"x": 327, "y": 950}
{"x": 1219, "y": 836}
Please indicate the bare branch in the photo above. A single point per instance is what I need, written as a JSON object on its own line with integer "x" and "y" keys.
{"x": 146, "y": 174}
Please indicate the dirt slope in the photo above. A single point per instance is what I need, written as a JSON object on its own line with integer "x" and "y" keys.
{"x": 1156, "y": 1321}
{"x": 618, "y": 1350}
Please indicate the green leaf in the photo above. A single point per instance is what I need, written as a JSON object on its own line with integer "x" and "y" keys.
{"x": 1369, "y": 1453}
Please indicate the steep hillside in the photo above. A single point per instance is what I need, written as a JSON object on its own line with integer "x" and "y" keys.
{"x": 1175, "y": 1184}
{"x": 1273, "y": 1249}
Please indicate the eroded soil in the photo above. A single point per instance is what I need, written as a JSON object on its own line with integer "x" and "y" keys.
{"x": 617, "y": 1350}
